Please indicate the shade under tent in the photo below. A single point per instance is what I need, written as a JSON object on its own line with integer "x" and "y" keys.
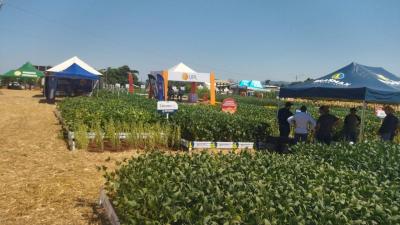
{"x": 354, "y": 82}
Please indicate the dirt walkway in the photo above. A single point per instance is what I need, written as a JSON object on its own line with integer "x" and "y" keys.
{"x": 41, "y": 181}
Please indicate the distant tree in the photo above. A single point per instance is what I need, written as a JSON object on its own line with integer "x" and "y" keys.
{"x": 119, "y": 75}
{"x": 267, "y": 82}
{"x": 309, "y": 80}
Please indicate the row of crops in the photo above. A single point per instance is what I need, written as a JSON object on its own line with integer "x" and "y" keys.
{"x": 196, "y": 122}
{"x": 338, "y": 184}
{"x": 318, "y": 184}
{"x": 254, "y": 120}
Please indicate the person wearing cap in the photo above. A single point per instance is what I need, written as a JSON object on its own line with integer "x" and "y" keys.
{"x": 283, "y": 114}
{"x": 351, "y": 126}
{"x": 325, "y": 124}
{"x": 389, "y": 126}
{"x": 303, "y": 122}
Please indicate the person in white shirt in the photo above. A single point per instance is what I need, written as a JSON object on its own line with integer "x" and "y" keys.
{"x": 303, "y": 122}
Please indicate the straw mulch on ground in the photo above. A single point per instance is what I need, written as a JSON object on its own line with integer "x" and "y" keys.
{"x": 41, "y": 181}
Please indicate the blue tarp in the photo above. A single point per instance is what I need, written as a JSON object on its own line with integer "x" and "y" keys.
{"x": 76, "y": 72}
{"x": 352, "y": 82}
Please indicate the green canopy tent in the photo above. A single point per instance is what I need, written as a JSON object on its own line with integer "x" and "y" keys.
{"x": 25, "y": 72}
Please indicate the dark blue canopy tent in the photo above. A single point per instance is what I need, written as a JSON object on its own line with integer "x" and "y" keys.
{"x": 73, "y": 79}
{"x": 354, "y": 82}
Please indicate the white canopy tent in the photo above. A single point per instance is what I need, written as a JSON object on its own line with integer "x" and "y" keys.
{"x": 64, "y": 65}
{"x": 181, "y": 68}
{"x": 183, "y": 73}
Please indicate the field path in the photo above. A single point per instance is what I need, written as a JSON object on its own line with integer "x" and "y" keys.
{"x": 41, "y": 181}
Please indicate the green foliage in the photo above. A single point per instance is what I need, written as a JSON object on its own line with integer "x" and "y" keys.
{"x": 203, "y": 92}
{"x": 81, "y": 137}
{"x": 251, "y": 188}
{"x": 382, "y": 158}
{"x": 112, "y": 134}
{"x": 119, "y": 75}
{"x": 99, "y": 137}
{"x": 196, "y": 122}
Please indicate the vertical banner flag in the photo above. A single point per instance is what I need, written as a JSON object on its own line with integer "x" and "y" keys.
{"x": 130, "y": 80}
{"x": 152, "y": 86}
{"x": 160, "y": 87}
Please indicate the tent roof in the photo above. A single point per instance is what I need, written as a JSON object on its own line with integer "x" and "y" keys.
{"x": 181, "y": 68}
{"x": 251, "y": 85}
{"x": 76, "y": 72}
{"x": 25, "y": 71}
{"x": 352, "y": 82}
{"x": 64, "y": 65}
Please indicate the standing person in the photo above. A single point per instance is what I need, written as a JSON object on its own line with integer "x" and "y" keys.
{"x": 302, "y": 122}
{"x": 283, "y": 114}
{"x": 325, "y": 124}
{"x": 387, "y": 131}
{"x": 351, "y": 126}
{"x": 180, "y": 93}
{"x": 170, "y": 93}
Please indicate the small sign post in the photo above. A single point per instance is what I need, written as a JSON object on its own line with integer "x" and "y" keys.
{"x": 229, "y": 105}
{"x": 167, "y": 107}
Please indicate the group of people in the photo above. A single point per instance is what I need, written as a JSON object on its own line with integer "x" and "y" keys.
{"x": 323, "y": 127}
{"x": 174, "y": 92}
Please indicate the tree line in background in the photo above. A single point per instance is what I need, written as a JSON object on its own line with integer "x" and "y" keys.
{"x": 119, "y": 75}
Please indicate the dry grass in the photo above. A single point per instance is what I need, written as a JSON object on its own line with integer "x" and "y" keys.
{"x": 41, "y": 181}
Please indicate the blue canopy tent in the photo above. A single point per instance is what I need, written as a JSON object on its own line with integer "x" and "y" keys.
{"x": 72, "y": 80}
{"x": 253, "y": 85}
{"x": 354, "y": 82}
{"x": 76, "y": 72}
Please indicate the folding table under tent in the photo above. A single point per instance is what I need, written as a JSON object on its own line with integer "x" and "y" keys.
{"x": 353, "y": 82}
{"x": 183, "y": 73}
{"x": 71, "y": 77}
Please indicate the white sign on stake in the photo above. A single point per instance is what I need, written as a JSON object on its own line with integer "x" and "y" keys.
{"x": 167, "y": 106}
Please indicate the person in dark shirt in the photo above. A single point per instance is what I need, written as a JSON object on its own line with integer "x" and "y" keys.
{"x": 389, "y": 126}
{"x": 325, "y": 124}
{"x": 283, "y": 114}
{"x": 180, "y": 94}
{"x": 351, "y": 126}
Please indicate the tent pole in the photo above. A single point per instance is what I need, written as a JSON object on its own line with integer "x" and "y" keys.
{"x": 363, "y": 120}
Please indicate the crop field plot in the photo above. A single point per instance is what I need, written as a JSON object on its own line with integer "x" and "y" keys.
{"x": 259, "y": 188}
{"x": 317, "y": 184}
{"x": 339, "y": 184}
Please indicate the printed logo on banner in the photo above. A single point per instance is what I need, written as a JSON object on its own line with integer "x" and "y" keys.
{"x": 17, "y": 73}
{"x": 338, "y": 76}
{"x": 185, "y": 76}
{"x": 335, "y": 80}
{"x": 386, "y": 80}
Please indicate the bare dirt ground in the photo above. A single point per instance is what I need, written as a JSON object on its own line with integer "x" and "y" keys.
{"x": 41, "y": 181}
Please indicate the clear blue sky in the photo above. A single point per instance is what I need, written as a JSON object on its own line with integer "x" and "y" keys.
{"x": 263, "y": 39}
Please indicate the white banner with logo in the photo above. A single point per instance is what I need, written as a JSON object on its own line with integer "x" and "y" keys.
{"x": 189, "y": 77}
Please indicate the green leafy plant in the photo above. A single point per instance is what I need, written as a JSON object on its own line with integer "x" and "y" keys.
{"x": 112, "y": 135}
{"x": 81, "y": 136}
{"x": 251, "y": 188}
